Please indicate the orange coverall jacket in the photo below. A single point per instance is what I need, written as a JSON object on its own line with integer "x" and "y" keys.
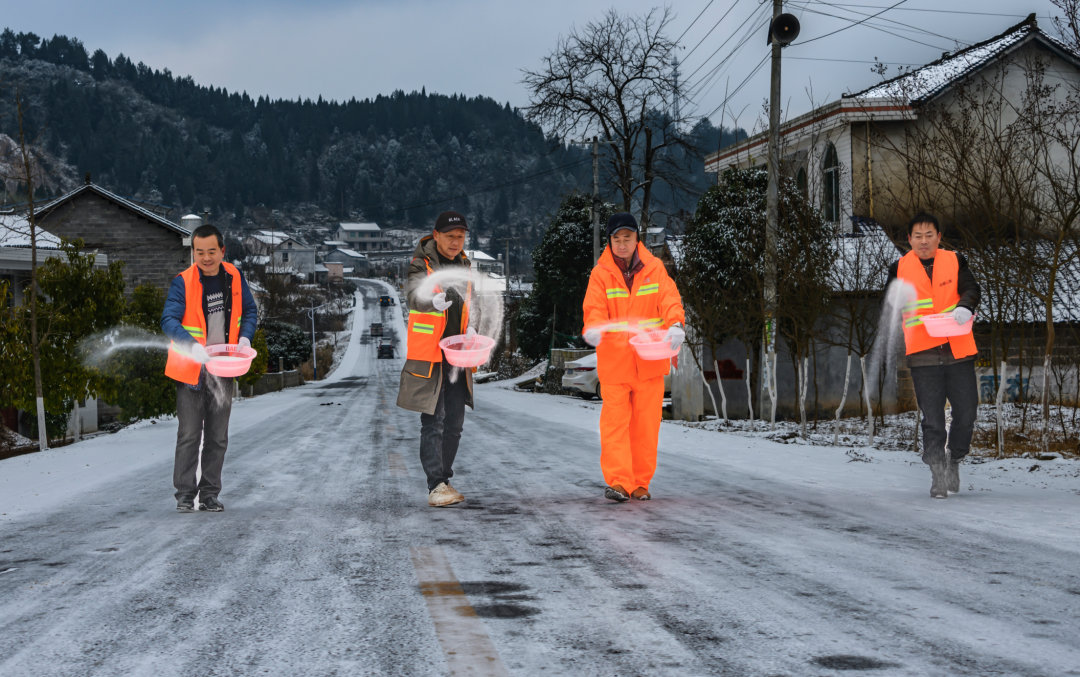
{"x": 653, "y": 303}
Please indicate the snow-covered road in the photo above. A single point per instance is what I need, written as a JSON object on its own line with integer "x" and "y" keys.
{"x": 755, "y": 558}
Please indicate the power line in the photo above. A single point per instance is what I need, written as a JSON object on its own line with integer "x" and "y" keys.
{"x": 741, "y": 85}
{"x": 711, "y": 29}
{"x": 717, "y": 51}
{"x": 898, "y": 23}
{"x": 861, "y": 21}
{"x": 887, "y": 63}
{"x": 695, "y": 21}
{"x": 718, "y": 68}
{"x": 522, "y": 179}
{"x": 875, "y": 27}
{"x": 940, "y": 11}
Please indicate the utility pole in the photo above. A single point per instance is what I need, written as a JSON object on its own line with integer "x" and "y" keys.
{"x": 782, "y": 30}
{"x": 596, "y": 248}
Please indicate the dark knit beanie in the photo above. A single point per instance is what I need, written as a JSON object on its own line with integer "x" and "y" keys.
{"x": 621, "y": 221}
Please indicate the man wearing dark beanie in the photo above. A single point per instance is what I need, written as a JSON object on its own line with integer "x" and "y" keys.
{"x": 428, "y": 382}
{"x": 630, "y": 291}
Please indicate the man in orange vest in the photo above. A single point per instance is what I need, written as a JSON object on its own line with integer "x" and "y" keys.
{"x": 208, "y": 304}
{"x": 941, "y": 368}
{"x": 429, "y": 385}
{"x": 629, "y": 288}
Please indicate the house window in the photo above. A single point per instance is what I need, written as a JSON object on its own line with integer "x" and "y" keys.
{"x": 284, "y": 256}
{"x": 800, "y": 181}
{"x": 830, "y": 170}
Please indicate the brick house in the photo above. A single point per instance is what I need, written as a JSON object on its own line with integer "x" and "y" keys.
{"x": 151, "y": 247}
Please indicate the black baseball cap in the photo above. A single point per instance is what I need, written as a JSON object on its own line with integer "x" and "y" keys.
{"x": 621, "y": 221}
{"x": 448, "y": 221}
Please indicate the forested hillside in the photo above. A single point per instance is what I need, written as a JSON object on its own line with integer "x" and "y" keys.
{"x": 396, "y": 159}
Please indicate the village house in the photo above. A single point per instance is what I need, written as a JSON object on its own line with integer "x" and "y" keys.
{"x": 362, "y": 237}
{"x": 152, "y": 247}
{"x": 839, "y": 156}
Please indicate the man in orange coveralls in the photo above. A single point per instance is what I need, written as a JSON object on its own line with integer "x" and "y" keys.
{"x": 629, "y": 287}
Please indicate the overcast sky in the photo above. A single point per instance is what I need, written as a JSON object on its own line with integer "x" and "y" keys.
{"x": 341, "y": 49}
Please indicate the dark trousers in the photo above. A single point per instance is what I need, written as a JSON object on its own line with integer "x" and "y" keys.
{"x": 933, "y": 386}
{"x": 203, "y": 416}
{"x": 440, "y": 432}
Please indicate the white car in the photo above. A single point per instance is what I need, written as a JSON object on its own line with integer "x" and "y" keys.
{"x": 580, "y": 376}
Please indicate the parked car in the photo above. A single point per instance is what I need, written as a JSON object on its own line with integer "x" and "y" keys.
{"x": 580, "y": 376}
{"x": 386, "y": 301}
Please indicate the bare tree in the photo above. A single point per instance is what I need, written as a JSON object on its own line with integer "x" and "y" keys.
{"x": 613, "y": 78}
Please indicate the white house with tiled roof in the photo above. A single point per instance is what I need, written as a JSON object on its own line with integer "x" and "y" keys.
{"x": 836, "y": 152}
{"x": 363, "y": 237}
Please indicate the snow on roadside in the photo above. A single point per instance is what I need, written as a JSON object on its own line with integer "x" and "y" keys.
{"x": 980, "y": 473}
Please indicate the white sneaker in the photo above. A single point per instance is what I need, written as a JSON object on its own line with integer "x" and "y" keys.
{"x": 444, "y": 495}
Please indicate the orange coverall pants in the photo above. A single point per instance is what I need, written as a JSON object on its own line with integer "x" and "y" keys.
{"x": 629, "y": 431}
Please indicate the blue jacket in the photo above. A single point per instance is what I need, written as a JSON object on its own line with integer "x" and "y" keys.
{"x": 172, "y": 316}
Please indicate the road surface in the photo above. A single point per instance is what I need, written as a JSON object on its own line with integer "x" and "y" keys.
{"x": 327, "y": 560}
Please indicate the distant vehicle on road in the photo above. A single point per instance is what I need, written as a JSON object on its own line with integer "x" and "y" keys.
{"x": 386, "y": 350}
{"x": 580, "y": 376}
{"x": 376, "y": 329}
{"x": 386, "y": 301}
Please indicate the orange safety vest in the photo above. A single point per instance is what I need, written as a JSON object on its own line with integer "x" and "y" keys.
{"x": 653, "y": 303}
{"x": 932, "y": 297}
{"x": 426, "y": 330}
{"x": 180, "y": 366}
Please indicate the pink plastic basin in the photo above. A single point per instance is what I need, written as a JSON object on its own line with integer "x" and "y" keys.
{"x": 466, "y": 351}
{"x": 653, "y": 346}
{"x": 943, "y": 324}
{"x": 229, "y": 360}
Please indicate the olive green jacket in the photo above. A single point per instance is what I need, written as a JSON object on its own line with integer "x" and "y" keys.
{"x": 417, "y": 393}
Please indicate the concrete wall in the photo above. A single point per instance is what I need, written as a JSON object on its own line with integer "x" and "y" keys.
{"x": 151, "y": 253}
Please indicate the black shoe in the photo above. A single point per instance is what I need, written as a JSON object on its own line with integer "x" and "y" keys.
{"x": 939, "y": 488}
{"x": 952, "y": 475}
{"x": 185, "y": 504}
{"x": 616, "y": 493}
{"x": 210, "y": 504}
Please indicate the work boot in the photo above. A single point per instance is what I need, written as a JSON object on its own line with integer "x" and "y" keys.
{"x": 939, "y": 486}
{"x": 443, "y": 495}
{"x": 185, "y": 504}
{"x": 952, "y": 475}
{"x": 641, "y": 494}
{"x": 210, "y": 504}
{"x": 616, "y": 493}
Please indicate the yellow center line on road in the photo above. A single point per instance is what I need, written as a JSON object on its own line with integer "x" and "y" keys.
{"x": 397, "y": 465}
{"x": 468, "y": 649}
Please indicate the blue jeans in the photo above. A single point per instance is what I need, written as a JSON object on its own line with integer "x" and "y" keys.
{"x": 933, "y": 386}
{"x": 440, "y": 432}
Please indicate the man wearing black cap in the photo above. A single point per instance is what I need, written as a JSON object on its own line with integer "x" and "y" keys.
{"x": 429, "y": 385}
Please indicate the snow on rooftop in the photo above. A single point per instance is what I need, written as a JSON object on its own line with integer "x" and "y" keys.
{"x": 926, "y": 81}
{"x": 270, "y": 237}
{"x": 351, "y": 253}
{"x": 335, "y": 243}
{"x": 863, "y": 260}
{"x": 477, "y": 255}
{"x": 15, "y": 232}
{"x": 370, "y": 227}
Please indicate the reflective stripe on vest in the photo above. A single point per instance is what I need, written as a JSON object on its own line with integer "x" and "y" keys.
{"x": 647, "y": 289}
{"x": 180, "y": 366}
{"x": 425, "y": 330}
{"x": 618, "y": 293}
{"x": 932, "y": 297}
